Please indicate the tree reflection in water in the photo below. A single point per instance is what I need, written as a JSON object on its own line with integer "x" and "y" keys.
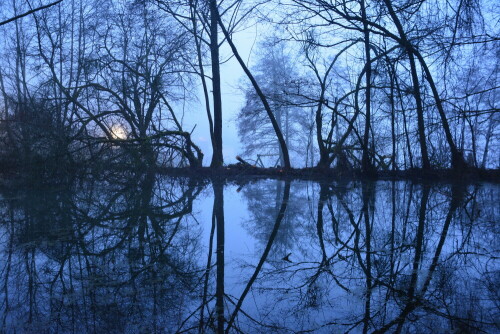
{"x": 130, "y": 252}
{"x": 98, "y": 255}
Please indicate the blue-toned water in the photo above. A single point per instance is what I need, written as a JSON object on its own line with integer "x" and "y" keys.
{"x": 145, "y": 253}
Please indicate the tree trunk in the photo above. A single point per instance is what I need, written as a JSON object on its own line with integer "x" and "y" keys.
{"x": 217, "y": 158}
{"x": 457, "y": 158}
{"x": 416, "y": 86}
{"x": 366, "y": 164}
{"x": 258, "y": 90}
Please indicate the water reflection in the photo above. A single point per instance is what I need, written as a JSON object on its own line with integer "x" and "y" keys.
{"x": 141, "y": 252}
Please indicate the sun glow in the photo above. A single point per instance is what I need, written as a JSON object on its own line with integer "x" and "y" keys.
{"x": 118, "y": 132}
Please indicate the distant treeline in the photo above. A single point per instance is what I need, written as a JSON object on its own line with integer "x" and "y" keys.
{"x": 358, "y": 85}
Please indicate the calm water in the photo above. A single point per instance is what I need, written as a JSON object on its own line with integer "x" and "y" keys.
{"x": 143, "y": 253}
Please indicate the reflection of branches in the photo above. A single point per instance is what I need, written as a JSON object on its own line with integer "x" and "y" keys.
{"x": 392, "y": 260}
{"x": 281, "y": 214}
{"x": 319, "y": 225}
{"x": 247, "y": 315}
{"x": 207, "y": 273}
{"x": 412, "y": 304}
{"x": 134, "y": 206}
{"x": 78, "y": 262}
{"x": 263, "y": 202}
{"x": 395, "y": 259}
{"x": 416, "y": 298}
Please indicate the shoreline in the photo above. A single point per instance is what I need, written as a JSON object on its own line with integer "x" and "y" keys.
{"x": 237, "y": 171}
{"x": 317, "y": 174}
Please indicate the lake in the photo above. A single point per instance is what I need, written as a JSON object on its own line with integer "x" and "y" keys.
{"x": 138, "y": 252}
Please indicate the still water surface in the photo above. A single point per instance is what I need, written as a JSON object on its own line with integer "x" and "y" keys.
{"x": 145, "y": 253}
